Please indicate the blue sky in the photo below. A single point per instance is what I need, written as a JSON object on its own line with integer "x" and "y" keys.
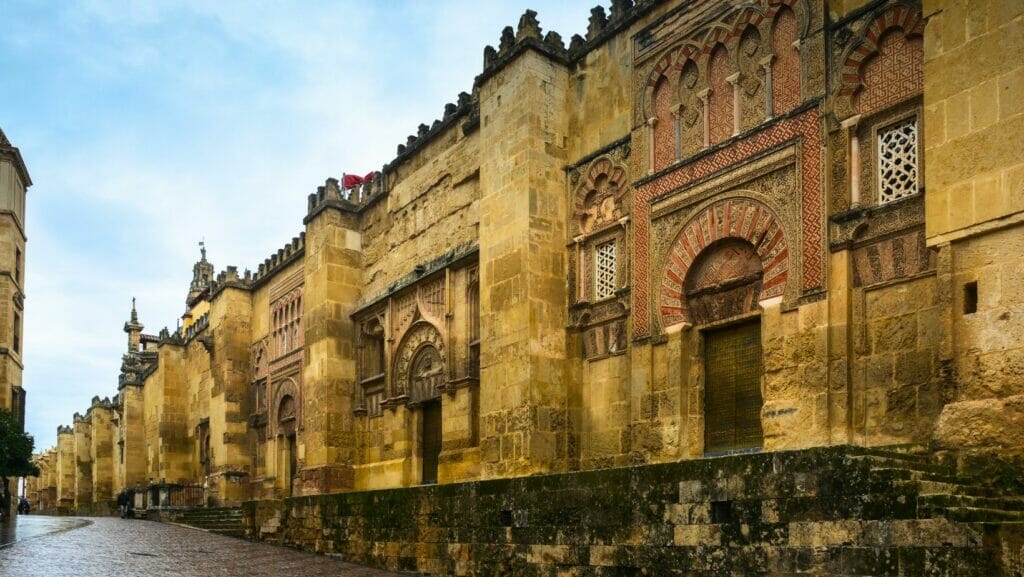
{"x": 148, "y": 126}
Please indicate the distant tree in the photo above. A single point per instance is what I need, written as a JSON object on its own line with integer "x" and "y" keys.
{"x": 15, "y": 458}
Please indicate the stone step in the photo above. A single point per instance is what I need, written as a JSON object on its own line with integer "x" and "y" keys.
{"x": 910, "y": 452}
{"x": 899, "y": 462}
{"x": 981, "y": 515}
{"x": 1008, "y": 504}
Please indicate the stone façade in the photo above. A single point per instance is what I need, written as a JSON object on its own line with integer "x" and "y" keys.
{"x": 541, "y": 277}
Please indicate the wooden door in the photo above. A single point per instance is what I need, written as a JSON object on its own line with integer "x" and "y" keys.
{"x": 293, "y": 462}
{"x": 732, "y": 388}
{"x": 431, "y": 436}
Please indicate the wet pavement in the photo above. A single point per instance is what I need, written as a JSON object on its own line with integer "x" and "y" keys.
{"x": 103, "y": 547}
{"x": 27, "y": 527}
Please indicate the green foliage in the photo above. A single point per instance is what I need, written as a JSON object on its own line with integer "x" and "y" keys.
{"x": 15, "y": 449}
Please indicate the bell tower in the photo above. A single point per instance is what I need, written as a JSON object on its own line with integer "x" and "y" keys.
{"x": 134, "y": 329}
{"x": 14, "y": 182}
{"x": 202, "y": 276}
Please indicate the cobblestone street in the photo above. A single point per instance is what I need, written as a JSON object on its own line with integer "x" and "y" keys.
{"x": 105, "y": 547}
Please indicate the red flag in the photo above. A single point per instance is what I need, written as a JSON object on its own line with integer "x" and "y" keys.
{"x": 351, "y": 180}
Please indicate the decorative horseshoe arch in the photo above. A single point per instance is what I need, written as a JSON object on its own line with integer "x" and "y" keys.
{"x": 865, "y": 46}
{"x": 698, "y": 48}
{"x": 420, "y": 335}
{"x": 599, "y": 199}
{"x": 736, "y": 218}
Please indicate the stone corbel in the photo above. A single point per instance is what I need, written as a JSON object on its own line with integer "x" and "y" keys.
{"x": 850, "y": 124}
{"x": 734, "y": 79}
{"x": 766, "y": 64}
{"x": 207, "y": 341}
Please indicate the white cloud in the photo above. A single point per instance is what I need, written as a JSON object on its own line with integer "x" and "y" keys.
{"x": 151, "y": 125}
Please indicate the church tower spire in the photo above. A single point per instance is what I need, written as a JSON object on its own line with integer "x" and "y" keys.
{"x": 202, "y": 276}
{"x": 134, "y": 329}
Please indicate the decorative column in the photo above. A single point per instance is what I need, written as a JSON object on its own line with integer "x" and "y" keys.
{"x": 580, "y": 268}
{"x": 850, "y": 124}
{"x": 766, "y": 64}
{"x": 704, "y": 96}
{"x": 677, "y": 113}
{"x": 651, "y": 122}
{"x": 734, "y": 79}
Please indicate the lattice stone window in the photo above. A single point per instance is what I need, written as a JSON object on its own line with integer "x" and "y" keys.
{"x": 897, "y": 161}
{"x": 604, "y": 270}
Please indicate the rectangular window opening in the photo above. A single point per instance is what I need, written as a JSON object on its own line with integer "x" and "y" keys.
{"x": 721, "y": 511}
{"x": 971, "y": 298}
{"x": 16, "y": 345}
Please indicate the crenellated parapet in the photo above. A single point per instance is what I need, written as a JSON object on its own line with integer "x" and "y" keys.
{"x": 352, "y": 199}
{"x": 465, "y": 109}
{"x": 513, "y": 42}
{"x": 284, "y": 256}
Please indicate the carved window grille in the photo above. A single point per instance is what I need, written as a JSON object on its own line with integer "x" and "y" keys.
{"x": 897, "y": 161}
{"x": 473, "y": 299}
{"x": 604, "y": 270}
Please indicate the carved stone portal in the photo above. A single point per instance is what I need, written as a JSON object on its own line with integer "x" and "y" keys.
{"x": 421, "y": 336}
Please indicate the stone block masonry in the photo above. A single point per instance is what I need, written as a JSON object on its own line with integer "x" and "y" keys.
{"x": 831, "y": 511}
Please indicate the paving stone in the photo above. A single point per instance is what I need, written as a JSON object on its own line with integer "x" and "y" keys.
{"x": 109, "y": 546}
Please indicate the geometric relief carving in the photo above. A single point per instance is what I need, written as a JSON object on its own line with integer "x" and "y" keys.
{"x": 893, "y": 258}
{"x": 884, "y": 64}
{"x": 720, "y": 103}
{"x": 786, "y": 64}
{"x": 738, "y": 218}
{"x": 421, "y": 334}
{"x": 751, "y": 79}
{"x": 664, "y": 125}
{"x": 691, "y": 111}
{"x": 605, "y": 339}
{"x": 804, "y": 129}
{"x": 895, "y": 73}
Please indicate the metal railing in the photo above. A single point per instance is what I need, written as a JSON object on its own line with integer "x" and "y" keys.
{"x": 175, "y": 496}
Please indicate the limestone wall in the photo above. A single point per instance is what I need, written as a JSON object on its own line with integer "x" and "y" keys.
{"x": 973, "y": 76}
{"x": 101, "y": 452}
{"x": 83, "y": 461}
{"x": 974, "y": 167}
{"x": 432, "y": 206}
{"x": 822, "y": 512}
